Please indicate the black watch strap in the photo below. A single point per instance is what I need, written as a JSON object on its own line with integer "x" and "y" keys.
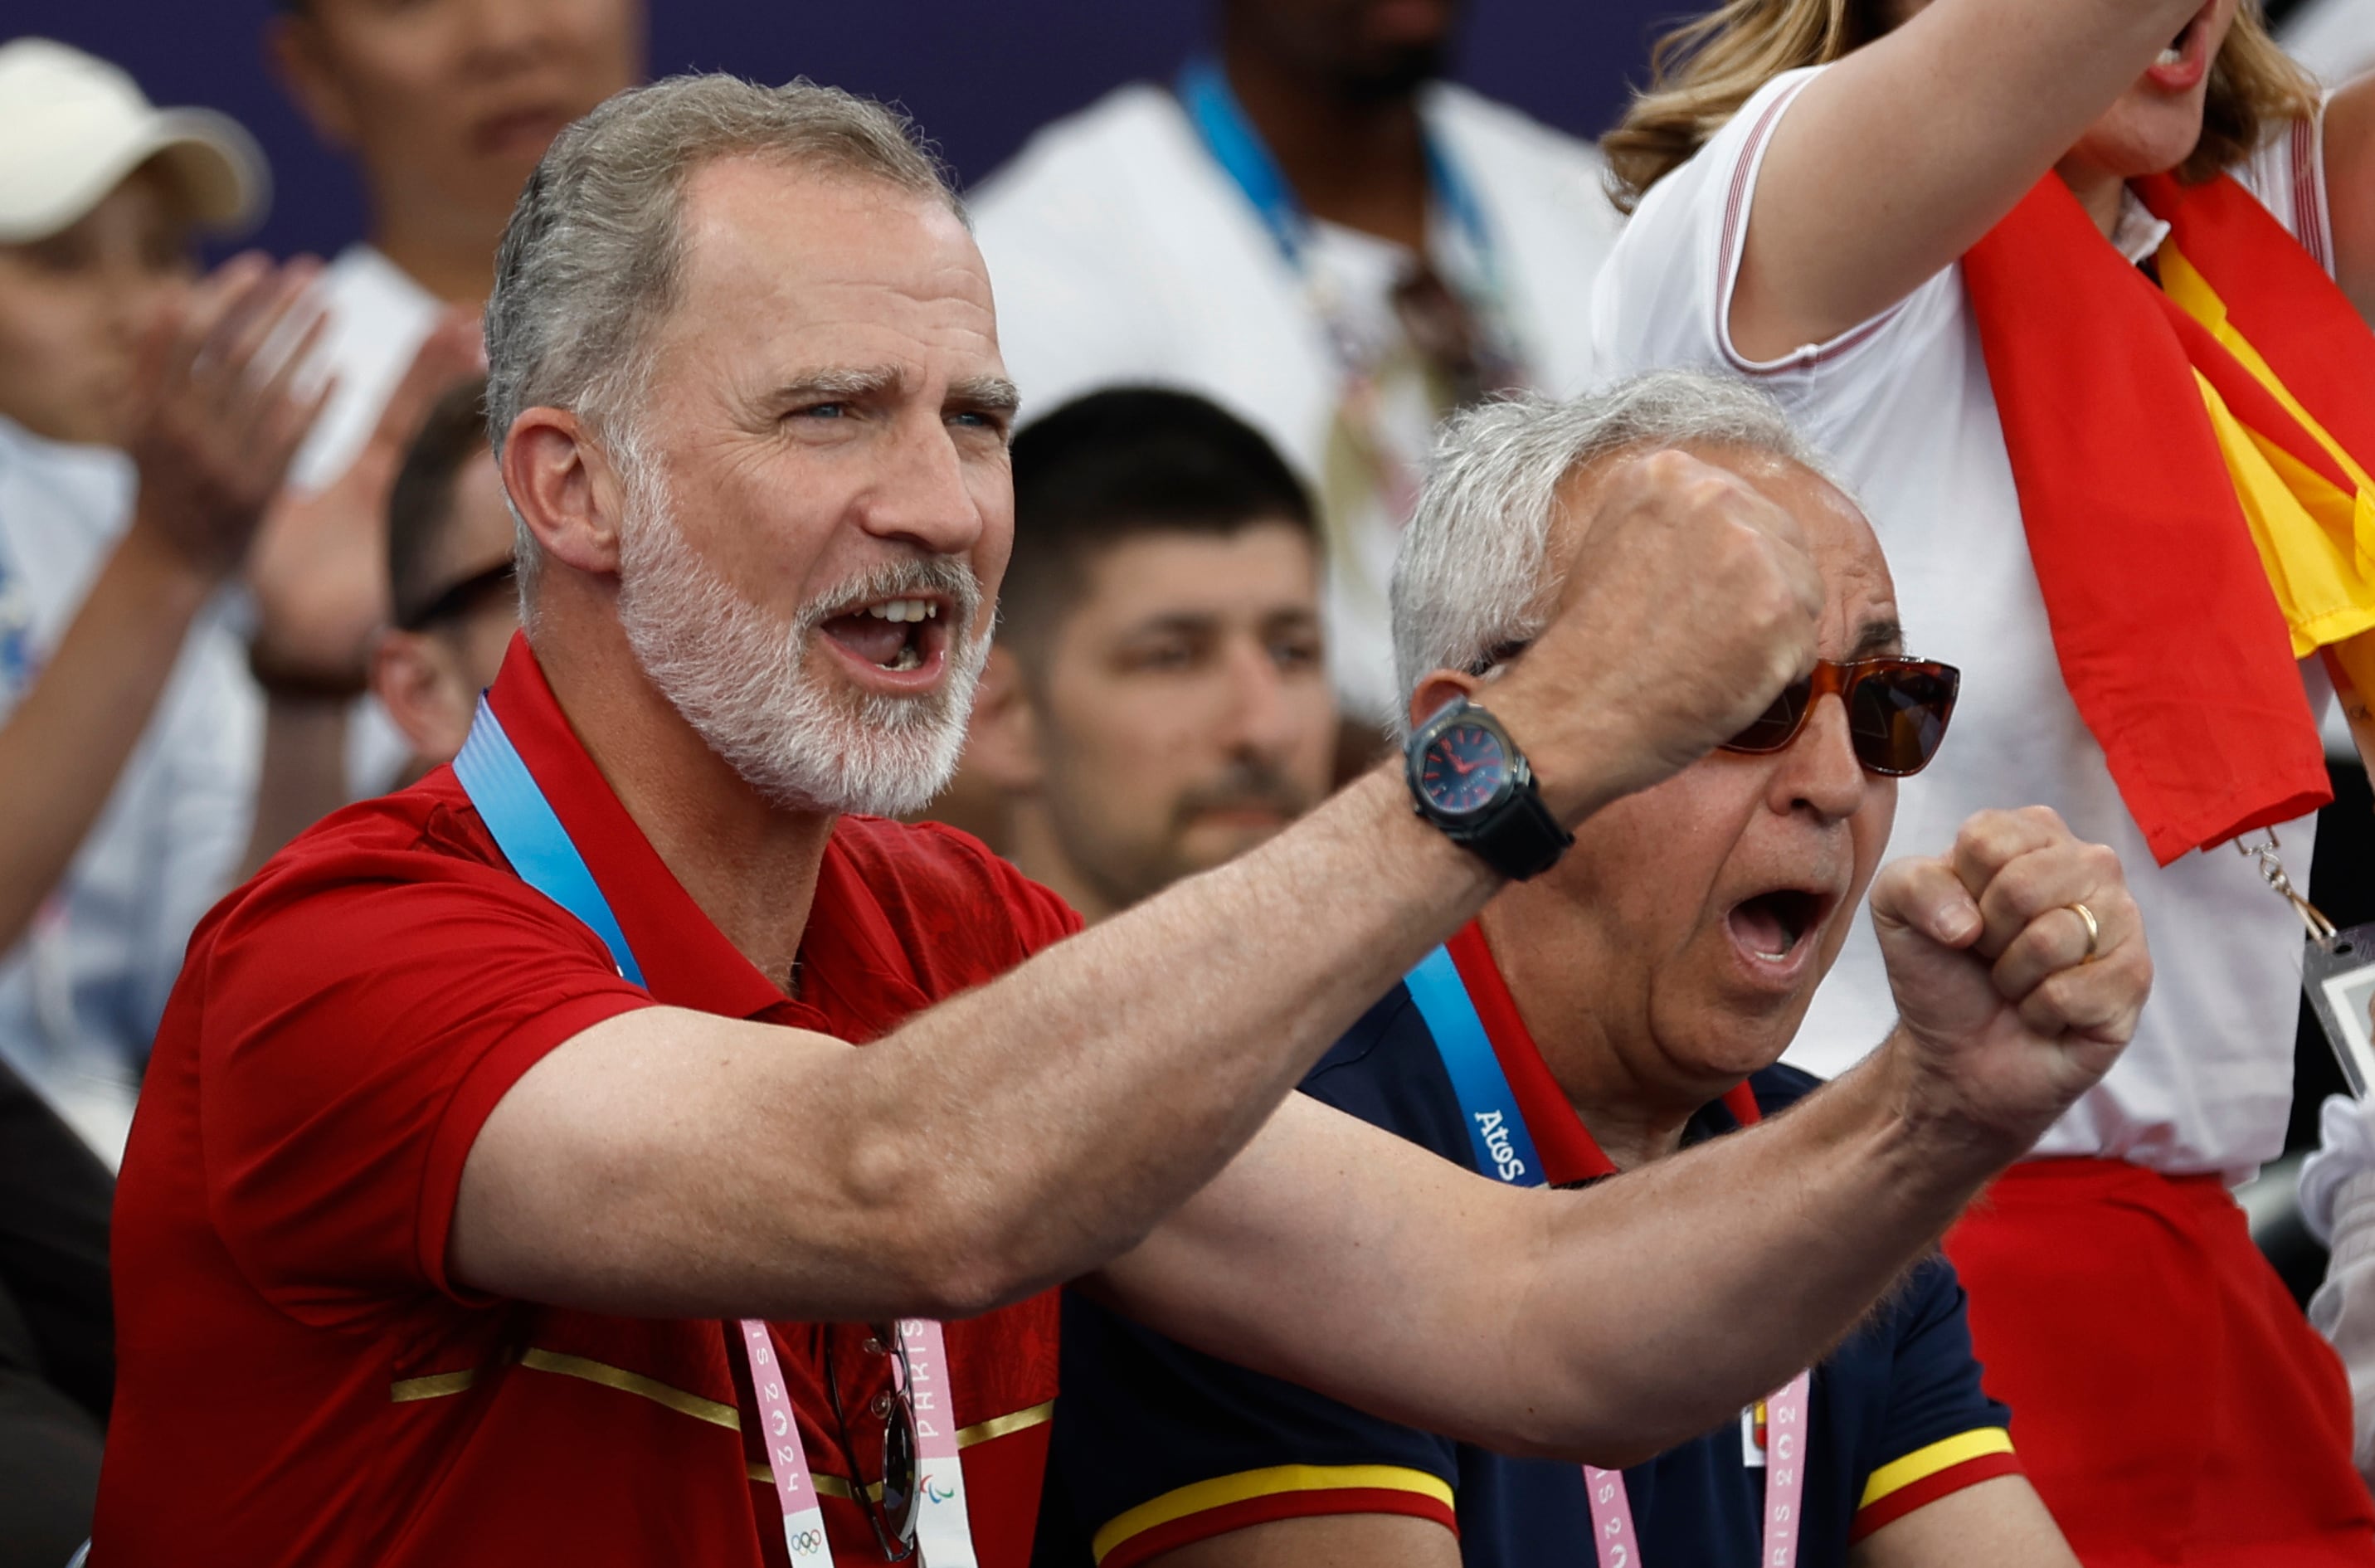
{"x": 1519, "y": 838}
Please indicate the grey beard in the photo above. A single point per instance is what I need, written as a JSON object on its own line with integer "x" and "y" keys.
{"x": 740, "y": 679}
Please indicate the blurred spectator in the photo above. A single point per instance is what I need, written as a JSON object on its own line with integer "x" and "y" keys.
{"x": 2054, "y": 284}
{"x": 2333, "y": 38}
{"x": 449, "y": 553}
{"x": 146, "y": 425}
{"x": 128, "y": 763}
{"x": 2337, "y": 1198}
{"x": 446, "y": 106}
{"x": 1636, "y": 998}
{"x": 57, "y": 1352}
{"x": 1157, "y": 700}
{"x": 1314, "y": 229}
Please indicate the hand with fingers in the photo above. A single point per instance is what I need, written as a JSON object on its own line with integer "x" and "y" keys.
{"x": 225, "y": 410}
{"x": 319, "y": 570}
{"x": 2019, "y": 967}
{"x": 1690, "y": 601}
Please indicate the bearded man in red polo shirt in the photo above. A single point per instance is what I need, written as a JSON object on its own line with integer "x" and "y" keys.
{"x": 506, "y": 1187}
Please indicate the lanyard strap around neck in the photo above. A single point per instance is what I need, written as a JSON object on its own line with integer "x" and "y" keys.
{"x": 525, "y": 828}
{"x": 1229, "y": 136}
{"x": 1505, "y": 1150}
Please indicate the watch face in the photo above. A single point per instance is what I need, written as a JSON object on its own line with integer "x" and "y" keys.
{"x": 1463, "y": 769}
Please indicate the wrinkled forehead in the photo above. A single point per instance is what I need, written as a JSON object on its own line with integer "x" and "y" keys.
{"x": 776, "y": 257}
{"x": 1847, "y": 551}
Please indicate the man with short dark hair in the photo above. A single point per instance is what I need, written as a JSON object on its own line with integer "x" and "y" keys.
{"x": 1157, "y": 700}
{"x": 450, "y": 581}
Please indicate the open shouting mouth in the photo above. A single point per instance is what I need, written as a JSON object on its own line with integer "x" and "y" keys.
{"x": 903, "y": 642}
{"x": 1772, "y": 932}
{"x": 2187, "y": 59}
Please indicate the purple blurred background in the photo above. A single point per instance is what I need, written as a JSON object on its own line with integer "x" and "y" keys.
{"x": 979, "y": 77}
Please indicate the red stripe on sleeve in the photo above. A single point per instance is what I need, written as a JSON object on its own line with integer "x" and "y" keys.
{"x": 1160, "y": 1538}
{"x": 1930, "y": 1489}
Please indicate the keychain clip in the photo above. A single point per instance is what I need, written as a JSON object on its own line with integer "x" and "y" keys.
{"x": 2272, "y": 871}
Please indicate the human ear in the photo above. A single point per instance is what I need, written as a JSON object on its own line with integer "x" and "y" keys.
{"x": 422, "y": 694}
{"x": 1003, "y": 745}
{"x": 1433, "y": 693}
{"x": 563, "y": 490}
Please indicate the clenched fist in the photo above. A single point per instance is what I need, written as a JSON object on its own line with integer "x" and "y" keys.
{"x": 2012, "y": 1005}
{"x": 1690, "y": 601}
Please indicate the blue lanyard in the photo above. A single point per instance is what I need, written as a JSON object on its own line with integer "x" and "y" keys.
{"x": 1497, "y": 1128}
{"x": 1238, "y": 147}
{"x": 530, "y": 836}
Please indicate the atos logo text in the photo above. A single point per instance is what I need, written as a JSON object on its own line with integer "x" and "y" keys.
{"x": 1496, "y": 1140}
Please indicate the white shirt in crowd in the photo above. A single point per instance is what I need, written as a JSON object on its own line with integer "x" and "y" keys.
{"x": 2333, "y": 38}
{"x": 80, "y": 997}
{"x": 1121, "y": 253}
{"x": 378, "y": 318}
{"x": 1903, "y": 404}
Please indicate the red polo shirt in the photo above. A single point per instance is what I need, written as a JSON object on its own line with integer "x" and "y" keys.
{"x": 301, "y": 1382}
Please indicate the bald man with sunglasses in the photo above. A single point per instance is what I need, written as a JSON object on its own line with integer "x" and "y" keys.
{"x": 1632, "y": 999}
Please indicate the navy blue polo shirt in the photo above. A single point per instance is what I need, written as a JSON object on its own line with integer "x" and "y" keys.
{"x": 1156, "y": 1445}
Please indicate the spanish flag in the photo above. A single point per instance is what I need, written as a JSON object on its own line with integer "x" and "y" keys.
{"x": 2192, "y": 452}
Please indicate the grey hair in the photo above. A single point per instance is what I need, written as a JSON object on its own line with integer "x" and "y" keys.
{"x": 1471, "y": 576}
{"x": 594, "y": 254}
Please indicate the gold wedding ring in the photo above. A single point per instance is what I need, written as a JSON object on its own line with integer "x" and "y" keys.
{"x": 2094, "y": 929}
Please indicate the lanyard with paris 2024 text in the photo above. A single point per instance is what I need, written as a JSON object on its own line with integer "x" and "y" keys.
{"x": 540, "y": 852}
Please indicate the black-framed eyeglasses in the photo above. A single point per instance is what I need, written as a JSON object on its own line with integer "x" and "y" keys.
{"x": 893, "y": 1501}
{"x": 458, "y": 599}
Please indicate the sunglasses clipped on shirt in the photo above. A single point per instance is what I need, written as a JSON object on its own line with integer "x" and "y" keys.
{"x": 1897, "y": 711}
{"x": 894, "y": 1504}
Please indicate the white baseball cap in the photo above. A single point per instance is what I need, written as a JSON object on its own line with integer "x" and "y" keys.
{"x": 73, "y": 126}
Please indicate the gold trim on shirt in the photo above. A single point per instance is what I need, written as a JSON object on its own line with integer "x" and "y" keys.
{"x": 536, "y": 1359}
{"x": 1003, "y": 1426}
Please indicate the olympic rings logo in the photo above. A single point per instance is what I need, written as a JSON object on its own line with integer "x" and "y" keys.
{"x": 807, "y": 1541}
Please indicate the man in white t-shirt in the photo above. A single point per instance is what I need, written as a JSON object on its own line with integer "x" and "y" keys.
{"x": 2333, "y": 38}
{"x": 445, "y": 110}
{"x": 2173, "y": 1407}
{"x": 1314, "y": 229}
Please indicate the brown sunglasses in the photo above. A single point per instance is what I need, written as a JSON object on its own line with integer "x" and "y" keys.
{"x": 1897, "y": 711}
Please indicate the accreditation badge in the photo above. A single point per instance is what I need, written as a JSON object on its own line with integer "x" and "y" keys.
{"x": 1751, "y": 1436}
{"x": 2339, "y": 974}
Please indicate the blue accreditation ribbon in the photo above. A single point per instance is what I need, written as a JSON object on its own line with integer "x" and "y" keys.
{"x": 1220, "y": 120}
{"x": 530, "y": 836}
{"x": 1497, "y": 1129}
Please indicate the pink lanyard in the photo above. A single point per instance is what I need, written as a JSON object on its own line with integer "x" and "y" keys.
{"x": 1785, "y": 1483}
{"x": 943, "y": 1530}
{"x": 531, "y": 836}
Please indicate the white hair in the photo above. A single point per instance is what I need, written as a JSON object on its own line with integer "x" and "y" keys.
{"x": 1474, "y": 575}
{"x": 594, "y": 254}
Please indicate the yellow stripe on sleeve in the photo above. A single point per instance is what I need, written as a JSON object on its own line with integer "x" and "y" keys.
{"x": 1923, "y": 1463}
{"x": 1204, "y": 1496}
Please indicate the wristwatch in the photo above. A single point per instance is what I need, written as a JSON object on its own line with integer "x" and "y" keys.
{"x": 1468, "y": 778}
